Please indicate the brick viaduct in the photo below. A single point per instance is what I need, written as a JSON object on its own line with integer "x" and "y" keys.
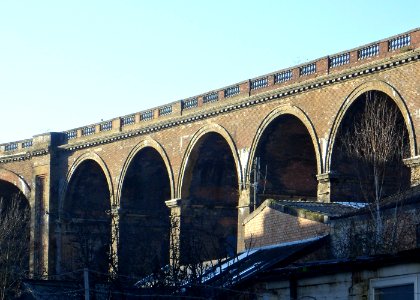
{"x": 122, "y": 182}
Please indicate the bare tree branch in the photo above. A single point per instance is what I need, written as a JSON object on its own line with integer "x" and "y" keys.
{"x": 376, "y": 144}
{"x": 14, "y": 245}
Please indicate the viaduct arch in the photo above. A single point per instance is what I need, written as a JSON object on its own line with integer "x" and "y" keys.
{"x": 15, "y": 211}
{"x": 84, "y": 214}
{"x": 365, "y": 87}
{"x": 235, "y": 124}
{"x": 209, "y": 186}
{"x": 73, "y": 168}
{"x": 296, "y": 120}
{"x": 146, "y": 183}
{"x": 148, "y": 142}
{"x": 211, "y": 128}
{"x": 349, "y": 174}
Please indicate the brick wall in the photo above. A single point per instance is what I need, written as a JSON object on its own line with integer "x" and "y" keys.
{"x": 268, "y": 226}
{"x": 320, "y": 97}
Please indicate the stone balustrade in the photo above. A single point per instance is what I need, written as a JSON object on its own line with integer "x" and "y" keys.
{"x": 280, "y": 79}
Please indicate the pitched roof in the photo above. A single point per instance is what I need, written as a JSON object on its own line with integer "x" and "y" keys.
{"x": 52, "y": 289}
{"x": 334, "y": 266}
{"x": 331, "y": 209}
{"x": 410, "y": 196}
{"x": 248, "y": 264}
{"x": 316, "y": 211}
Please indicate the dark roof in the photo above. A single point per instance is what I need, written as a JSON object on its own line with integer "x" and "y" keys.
{"x": 334, "y": 266}
{"x": 410, "y": 196}
{"x": 250, "y": 263}
{"x": 52, "y": 289}
{"x": 336, "y": 210}
{"x": 316, "y": 211}
{"x": 332, "y": 209}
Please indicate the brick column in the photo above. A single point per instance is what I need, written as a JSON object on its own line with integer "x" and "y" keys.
{"x": 43, "y": 201}
{"x": 324, "y": 187}
{"x": 115, "y": 235}
{"x": 58, "y": 243}
{"x": 414, "y": 164}
{"x": 39, "y": 223}
{"x": 243, "y": 212}
{"x": 176, "y": 206}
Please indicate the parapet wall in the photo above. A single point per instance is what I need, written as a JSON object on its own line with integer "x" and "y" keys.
{"x": 282, "y": 79}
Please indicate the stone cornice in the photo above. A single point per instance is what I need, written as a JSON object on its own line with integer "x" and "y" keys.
{"x": 24, "y": 156}
{"x": 277, "y": 94}
{"x": 326, "y": 177}
{"x": 219, "y": 108}
{"x": 412, "y": 161}
{"x": 174, "y": 203}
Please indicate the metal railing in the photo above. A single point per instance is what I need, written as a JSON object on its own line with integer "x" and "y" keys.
{"x": 147, "y": 115}
{"x": 190, "y": 103}
{"x": 259, "y": 83}
{"x": 212, "y": 97}
{"x": 399, "y": 42}
{"x": 127, "y": 120}
{"x": 307, "y": 70}
{"x": 232, "y": 91}
{"x": 339, "y": 60}
{"x": 283, "y": 76}
{"x": 105, "y": 126}
{"x": 165, "y": 110}
{"x": 88, "y": 130}
{"x": 368, "y": 51}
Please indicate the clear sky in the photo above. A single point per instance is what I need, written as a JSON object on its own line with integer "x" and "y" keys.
{"x": 65, "y": 64}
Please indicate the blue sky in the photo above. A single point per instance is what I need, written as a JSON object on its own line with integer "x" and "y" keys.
{"x": 65, "y": 64}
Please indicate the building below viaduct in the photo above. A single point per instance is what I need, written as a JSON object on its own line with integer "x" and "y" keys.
{"x": 111, "y": 195}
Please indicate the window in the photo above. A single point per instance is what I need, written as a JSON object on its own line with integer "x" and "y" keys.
{"x": 397, "y": 287}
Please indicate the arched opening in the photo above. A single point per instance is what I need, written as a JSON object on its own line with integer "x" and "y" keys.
{"x": 14, "y": 238}
{"x": 369, "y": 147}
{"x": 86, "y": 231}
{"x": 210, "y": 186}
{"x": 285, "y": 164}
{"x": 144, "y": 218}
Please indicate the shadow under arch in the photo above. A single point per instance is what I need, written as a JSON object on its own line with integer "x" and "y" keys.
{"x": 211, "y": 128}
{"x": 147, "y": 142}
{"x": 303, "y": 126}
{"x": 16, "y": 245}
{"x": 352, "y": 176}
{"x": 84, "y": 240}
{"x": 209, "y": 186}
{"x": 144, "y": 219}
{"x": 81, "y": 159}
{"x": 376, "y": 85}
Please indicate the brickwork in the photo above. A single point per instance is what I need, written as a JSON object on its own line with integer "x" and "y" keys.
{"x": 240, "y": 116}
{"x": 414, "y": 165}
{"x": 268, "y": 226}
